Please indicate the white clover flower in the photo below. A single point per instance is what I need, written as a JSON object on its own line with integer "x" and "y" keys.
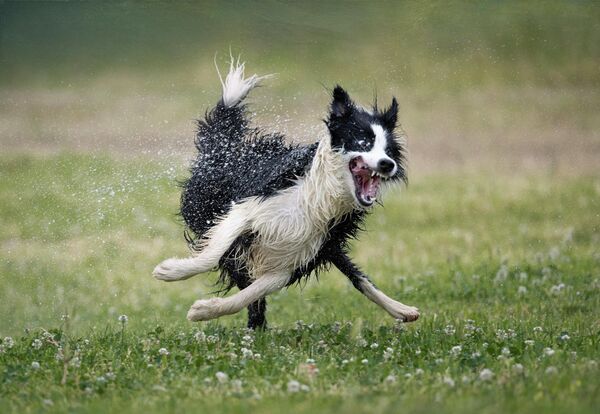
{"x": 364, "y": 361}
{"x": 110, "y": 376}
{"x": 486, "y": 374}
{"x": 419, "y": 371}
{"x": 408, "y": 375}
{"x": 522, "y": 290}
{"x": 523, "y": 277}
{"x": 449, "y": 330}
{"x": 475, "y": 355}
{"x": 388, "y": 353}
{"x": 517, "y": 368}
{"x": 163, "y": 351}
{"x": 344, "y": 361}
{"x": 123, "y": 319}
{"x": 551, "y": 370}
{"x": 293, "y": 386}
{"x": 101, "y": 380}
{"x": 304, "y": 388}
{"x": 236, "y": 385}
{"x": 538, "y": 329}
{"x": 310, "y": 361}
{"x": 448, "y": 381}
{"x": 565, "y": 337}
{"x": 8, "y": 342}
{"x": 505, "y": 351}
{"x": 439, "y": 361}
{"x": 549, "y": 351}
{"x": 222, "y": 377}
{"x": 374, "y": 345}
{"x": 360, "y": 341}
{"x": 556, "y": 289}
{"x": 211, "y": 339}
{"x": 456, "y": 350}
{"x": 35, "y": 365}
{"x": 418, "y": 351}
{"x": 75, "y": 362}
{"x": 200, "y": 336}
{"x": 246, "y": 353}
{"x": 36, "y": 344}
{"x": 390, "y": 379}
{"x": 529, "y": 342}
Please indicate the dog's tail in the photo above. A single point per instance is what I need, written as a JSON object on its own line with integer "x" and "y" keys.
{"x": 227, "y": 121}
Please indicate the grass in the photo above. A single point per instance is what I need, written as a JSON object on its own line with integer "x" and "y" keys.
{"x": 492, "y": 261}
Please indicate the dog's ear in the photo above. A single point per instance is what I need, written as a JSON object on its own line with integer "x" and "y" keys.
{"x": 342, "y": 105}
{"x": 389, "y": 117}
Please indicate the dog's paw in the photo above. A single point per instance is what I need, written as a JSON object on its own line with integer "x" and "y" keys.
{"x": 404, "y": 313}
{"x": 205, "y": 309}
{"x": 167, "y": 270}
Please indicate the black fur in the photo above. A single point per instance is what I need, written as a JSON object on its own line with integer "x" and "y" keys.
{"x": 235, "y": 162}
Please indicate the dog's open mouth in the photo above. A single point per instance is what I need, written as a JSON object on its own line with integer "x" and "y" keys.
{"x": 366, "y": 182}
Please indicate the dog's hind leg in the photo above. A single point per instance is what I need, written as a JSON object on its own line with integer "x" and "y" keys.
{"x": 205, "y": 309}
{"x": 256, "y": 310}
{"x": 366, "y": 287}
{"x": 218, "y": 241}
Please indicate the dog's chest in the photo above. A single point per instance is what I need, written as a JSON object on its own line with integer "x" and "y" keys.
{"x": 289, "y": 232}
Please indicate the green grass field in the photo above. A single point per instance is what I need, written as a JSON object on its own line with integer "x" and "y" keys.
{"x": 504, "y": 269}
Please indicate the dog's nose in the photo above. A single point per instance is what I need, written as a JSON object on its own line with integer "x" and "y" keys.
{"x": 386, "y": 166}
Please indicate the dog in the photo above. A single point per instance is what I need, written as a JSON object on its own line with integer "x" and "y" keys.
{"x": 267, "y": 213}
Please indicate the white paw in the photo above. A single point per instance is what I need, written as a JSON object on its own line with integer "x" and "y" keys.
{"x": 205, "y": 309}
{"x": 404, "y": 312}
{"x": 168, "y": 270}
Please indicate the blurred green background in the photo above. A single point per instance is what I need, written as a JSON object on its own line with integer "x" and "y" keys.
{"x": 498, "y": 84}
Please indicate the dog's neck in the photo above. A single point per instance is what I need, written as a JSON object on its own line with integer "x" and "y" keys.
{"x": 325, "y": 194}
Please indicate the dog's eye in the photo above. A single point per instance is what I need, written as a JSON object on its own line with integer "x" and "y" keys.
{"x": 362, "y": 143}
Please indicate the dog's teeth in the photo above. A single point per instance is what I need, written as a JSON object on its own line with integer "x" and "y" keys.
{"x": 373, "y": 173}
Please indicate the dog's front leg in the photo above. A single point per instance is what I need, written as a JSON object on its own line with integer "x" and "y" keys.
{"x": 205, "y": 309}
{"x": 366, "y": 287}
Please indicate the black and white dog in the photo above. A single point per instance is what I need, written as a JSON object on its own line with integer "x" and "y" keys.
{"x": 267, "y": 213}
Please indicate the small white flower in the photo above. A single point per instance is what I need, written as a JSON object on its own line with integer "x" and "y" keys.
{"x": 486, "y": 374}
{"x": 529, "y": 342}
{"x": 110, "y": 376}
{"x": 364, "y": 361}
{"x": 200, "y": 336}
{"x": 236, "y": 385}
{"x": 388, "y": 353}
{"x": 310, "y": 361}
{"x": 455, "y": 351}
{"x": 501, "y": 274}
{"x": 101, "y": 380}
{"x": 163, "y": 351}
{"x": 505, "y": 351}
{"x": 551, "y": 371}
{"x": 390, "y": 379}
{"x": 439, "y": 361}
{"x": 549, "y": 351}
{"x": 538, "y": 329}
{"x": 123, "y": 319}
{"x": 449, "y": 330}
{"x": 517, "y": 368}
{"x": 75, "y": 362}
{"x": 36, "y": 344}
{"x": 419, "y": 371}
{"x": 304, "y": 388}
{"x": 522, "y": 290}
{"x": 8, "y": 342}
{"x": 360, "y": 341}
{"x": 246, "y": 353}
{"x": 565, "y": 337}
{"x": 35, "y": 365}
{"x": 221, "y": 377}
{"x": 465, "y": 379}
{"x": 293, "y": 386}
{"x": 344, "y": 361}
{"x": 448, "y": 381}
{"x": 374, "y": 345}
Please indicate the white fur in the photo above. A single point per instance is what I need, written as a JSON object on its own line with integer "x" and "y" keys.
{"x": 396, "y": 309}
{"x": 203, "y": 310}
{"x": 235, "y": 86}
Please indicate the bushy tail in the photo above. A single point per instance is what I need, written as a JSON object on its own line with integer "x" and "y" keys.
{"x": 227, "y": 121}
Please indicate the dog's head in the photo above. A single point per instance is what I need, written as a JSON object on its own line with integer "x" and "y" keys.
{"x": 365, "y": 139}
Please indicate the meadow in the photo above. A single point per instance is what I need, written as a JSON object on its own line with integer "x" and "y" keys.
{"x": 495, "y": 238}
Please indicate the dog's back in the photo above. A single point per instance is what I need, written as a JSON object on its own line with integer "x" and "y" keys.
{"x": 235, "y": 162}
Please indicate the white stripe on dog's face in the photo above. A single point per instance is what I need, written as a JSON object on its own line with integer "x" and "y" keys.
{"x": 377, "y": 152}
